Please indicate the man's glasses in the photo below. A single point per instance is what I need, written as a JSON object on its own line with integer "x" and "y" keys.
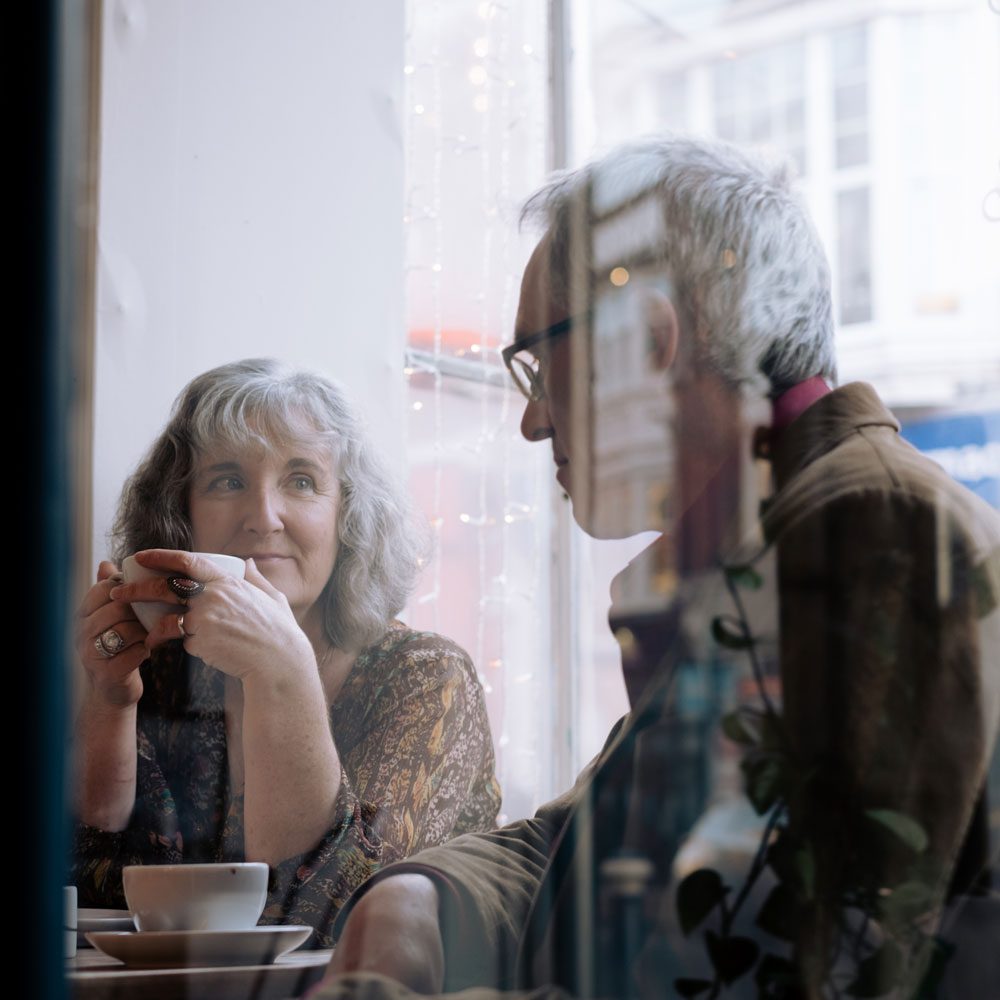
{"x": 525, "y": 367}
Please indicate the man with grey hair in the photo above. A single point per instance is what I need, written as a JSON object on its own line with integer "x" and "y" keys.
{"x": 675, "y": 325}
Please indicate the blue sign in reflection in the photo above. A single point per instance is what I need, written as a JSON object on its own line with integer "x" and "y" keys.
{"x": 966, "y": 446}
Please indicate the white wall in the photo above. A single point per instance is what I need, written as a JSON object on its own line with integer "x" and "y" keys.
{"x": 251, "y": 203}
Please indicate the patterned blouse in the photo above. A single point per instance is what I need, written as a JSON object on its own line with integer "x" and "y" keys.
{"x": 417, "y": 763}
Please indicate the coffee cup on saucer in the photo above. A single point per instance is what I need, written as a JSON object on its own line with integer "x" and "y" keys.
{"x": 150, "y": 612}
{"x": 196, "y": 897}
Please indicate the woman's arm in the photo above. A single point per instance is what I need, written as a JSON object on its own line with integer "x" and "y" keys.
{"x": 152, "y": 836}
{"x": 292, "y": 772}
{"x": 106, "y": 763}
{"x": 106, "y": 725}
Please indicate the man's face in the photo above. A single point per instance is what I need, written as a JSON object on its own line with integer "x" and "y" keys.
{"x": 609, "y": 433}
{"x": 548, "y": 418}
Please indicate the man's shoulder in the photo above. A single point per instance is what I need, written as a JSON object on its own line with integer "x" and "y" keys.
{"x": 874, "y": 467}
{"x": 879, "y": 461}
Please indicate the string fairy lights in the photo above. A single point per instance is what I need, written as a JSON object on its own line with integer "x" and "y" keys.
{"x": 475, "y": 147}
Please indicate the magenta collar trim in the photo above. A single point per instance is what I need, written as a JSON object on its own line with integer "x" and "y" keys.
{"x": 794, "y": 402}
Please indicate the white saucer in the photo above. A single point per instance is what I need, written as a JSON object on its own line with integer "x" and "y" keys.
{"x": 192, "y": 949}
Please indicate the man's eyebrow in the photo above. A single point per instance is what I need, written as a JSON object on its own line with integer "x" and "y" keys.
{"x": 563, "y": 326}
{"x": 525, "y": 342}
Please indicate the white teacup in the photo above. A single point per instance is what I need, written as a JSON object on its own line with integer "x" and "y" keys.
{"x": 211, "y": 897}
{"x": 150, "y": 612}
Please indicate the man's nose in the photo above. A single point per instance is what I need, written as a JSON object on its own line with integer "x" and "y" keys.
{"x": 536, "y": 425}
{"x": 263, "y": 511}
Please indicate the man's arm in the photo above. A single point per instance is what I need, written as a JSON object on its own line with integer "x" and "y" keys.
{"x": 393, "y": 930}
{"x": 458, "y": 909}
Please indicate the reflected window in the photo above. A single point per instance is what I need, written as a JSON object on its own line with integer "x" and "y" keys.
{"x": 759, "y": 98}
{"x": 854, "y": 255}
{"x": 849, "y": 57}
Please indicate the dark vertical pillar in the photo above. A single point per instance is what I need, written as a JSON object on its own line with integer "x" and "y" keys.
{"x": 36, "y": 557}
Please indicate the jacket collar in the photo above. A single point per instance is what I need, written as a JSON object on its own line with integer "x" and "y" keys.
{"x": 824, "y": 425}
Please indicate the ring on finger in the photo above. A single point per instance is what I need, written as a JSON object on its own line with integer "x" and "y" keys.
{"x": 109, "y": 643}
{"x": 184, "y": 587}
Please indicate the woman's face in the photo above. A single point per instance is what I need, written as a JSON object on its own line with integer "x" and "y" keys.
{"x": 278, "y": 507}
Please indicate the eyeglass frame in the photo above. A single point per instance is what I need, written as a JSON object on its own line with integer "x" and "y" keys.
{"x": 510, "y": 352}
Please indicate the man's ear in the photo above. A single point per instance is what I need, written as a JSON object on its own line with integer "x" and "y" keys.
{"x": 663, "y": 329}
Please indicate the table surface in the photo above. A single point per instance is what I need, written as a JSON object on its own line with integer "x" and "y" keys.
{"x": 92, "y": 975}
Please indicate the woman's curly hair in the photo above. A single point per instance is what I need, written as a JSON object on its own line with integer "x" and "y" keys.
{"x": 261, "y": 402}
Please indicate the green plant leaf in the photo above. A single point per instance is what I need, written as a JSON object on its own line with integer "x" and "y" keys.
{"x": 907, "y": 901}
{"x": 753, "y": 727}
{"x": 745, "y": 576}
{"x": 941, "y": 952}
{"x": 691, "y": 987}
{"x": 730, "y": 632}
{"x": 780, "y": 915}
{"x": 697, "y": 896}
{"x": 734, "y": 725}
{"x": 763, "y": 778}
{"x": 878, "y": 973}
{"x": 906, "y": 829}
{"x": 731, "y": 957}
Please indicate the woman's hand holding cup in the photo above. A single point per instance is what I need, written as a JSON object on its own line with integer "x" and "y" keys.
{"x": 242, "y": 626}
{"x": 110, "y": 642}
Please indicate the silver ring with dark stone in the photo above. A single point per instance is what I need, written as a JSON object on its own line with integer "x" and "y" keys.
{"x": 184, "y": 587}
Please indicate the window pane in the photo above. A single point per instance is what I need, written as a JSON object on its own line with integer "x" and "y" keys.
{"x": 854, "y": 256}
{"x": 758, "y": 98}
{"x": 795, "y": 117}
{"x": 476, "y": 97}
{"x": 487, "y": 585}
{"x": 851, "y": 102}
{"x": 850, "y": 52}
{"x": 476, "y": 102}
{"x": 674, "y": 101}
{"x": 852, "y": 150}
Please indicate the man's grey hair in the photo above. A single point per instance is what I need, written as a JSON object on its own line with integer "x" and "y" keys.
{"x": 262, "y": 403}
{"x": 738, "y": 249}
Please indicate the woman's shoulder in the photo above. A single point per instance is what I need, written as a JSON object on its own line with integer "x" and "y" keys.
{"x": 399, "y": 639}
{"x": 407, "y": 651}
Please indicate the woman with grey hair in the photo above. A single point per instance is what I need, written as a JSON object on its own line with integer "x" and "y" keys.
{"x": 285, "y": 717}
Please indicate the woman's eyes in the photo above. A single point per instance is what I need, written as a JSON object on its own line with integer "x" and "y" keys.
{"x": 299, "y": 483}
{"x": 226, "y": 484}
